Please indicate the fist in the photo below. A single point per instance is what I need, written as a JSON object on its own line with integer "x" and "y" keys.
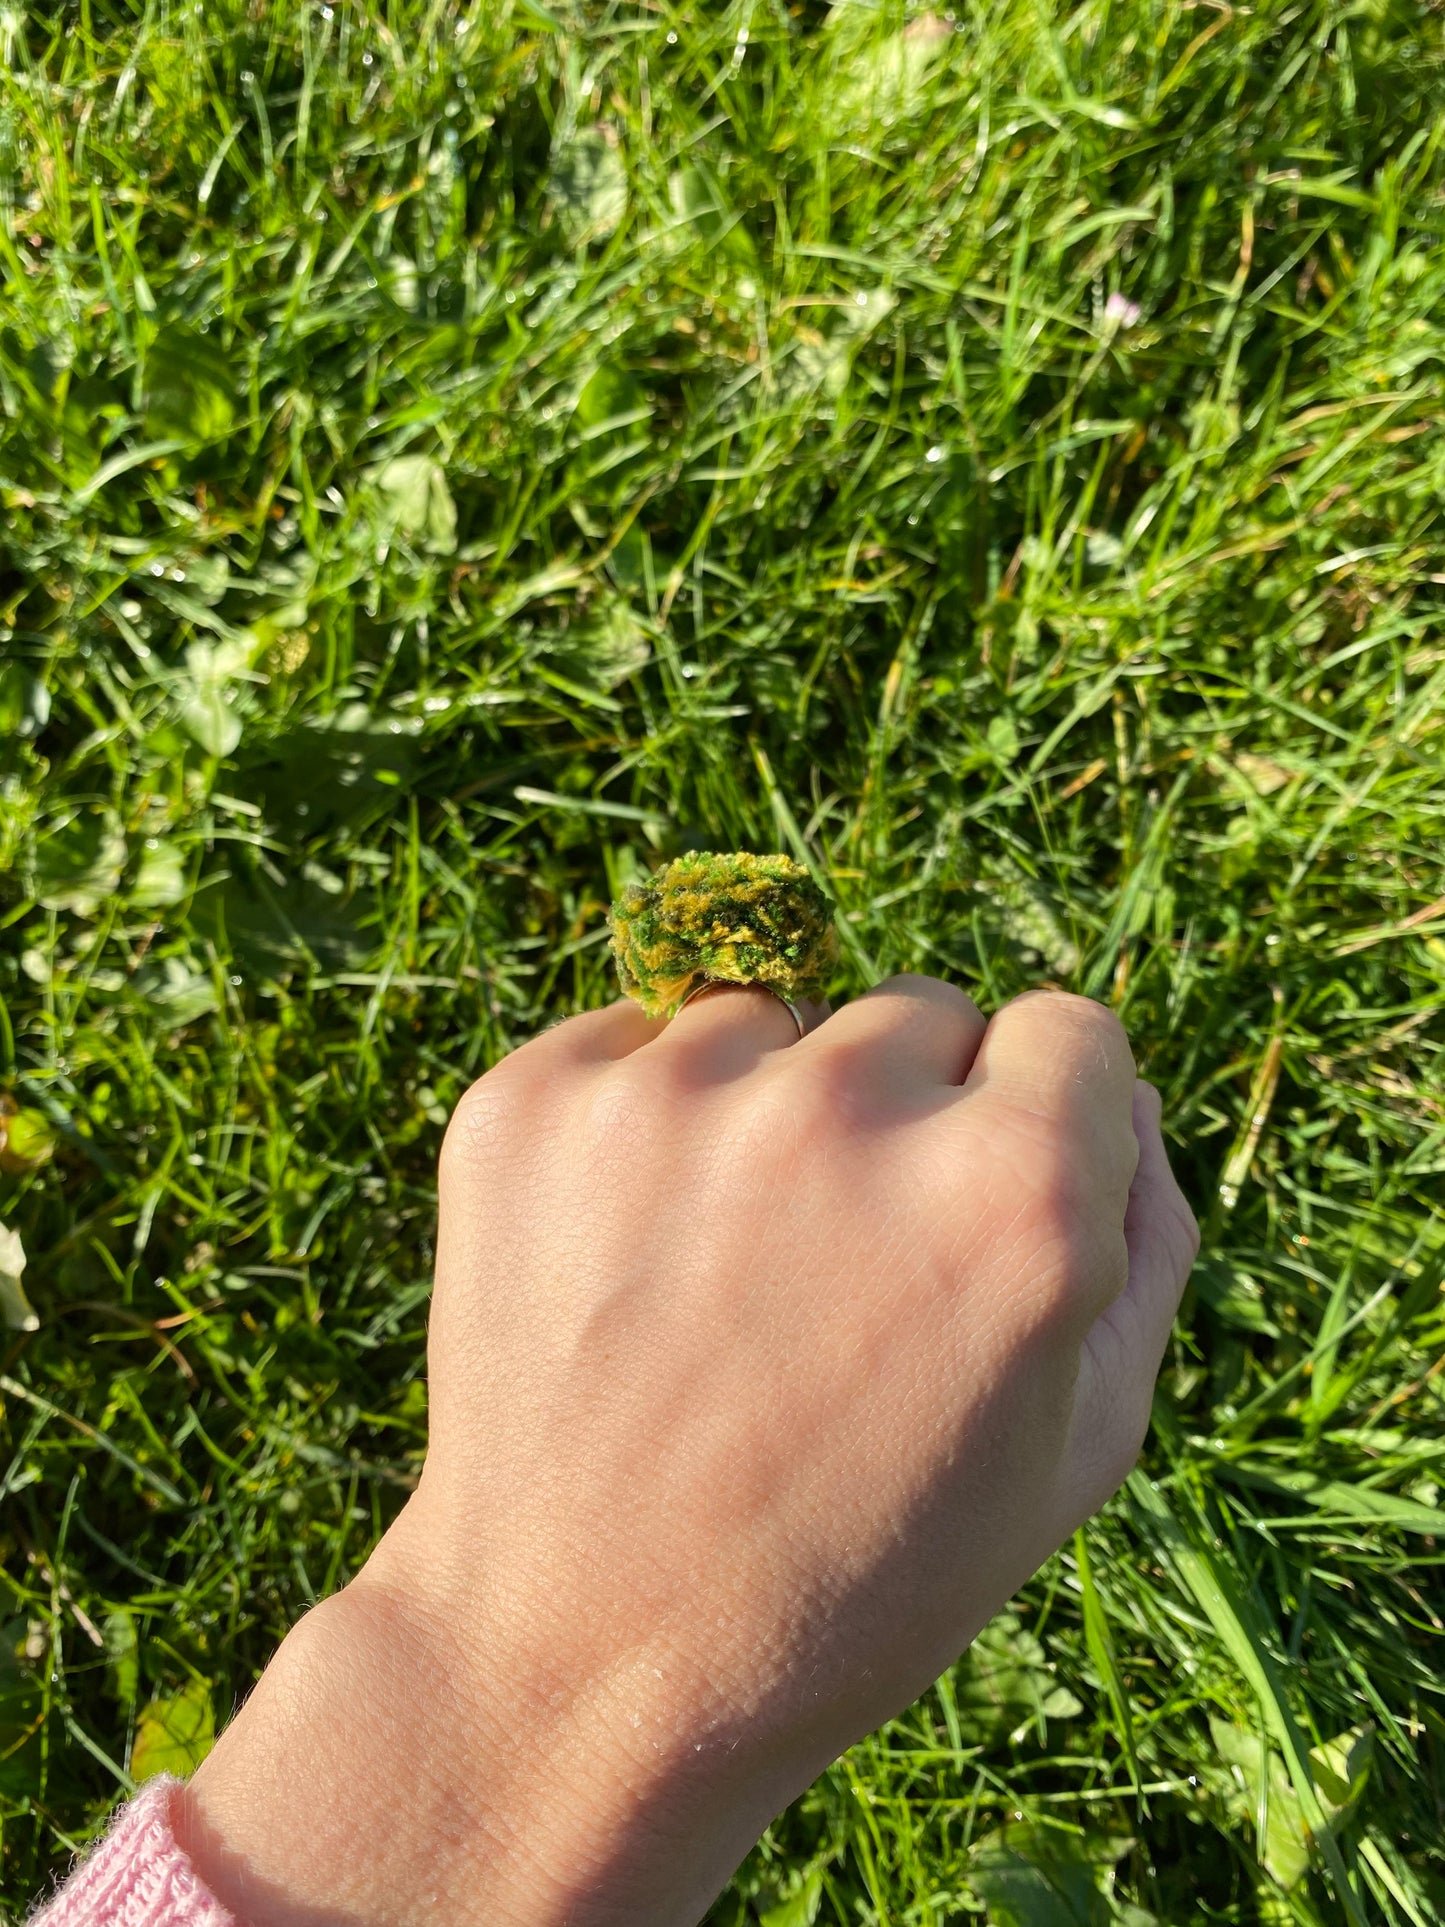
{"x": 764, "y": 1368}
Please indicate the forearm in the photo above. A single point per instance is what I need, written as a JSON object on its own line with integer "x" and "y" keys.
{"x": 366, "y": 1784}
{"x": 399, "y": 1763}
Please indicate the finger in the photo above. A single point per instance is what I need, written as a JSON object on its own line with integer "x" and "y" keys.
{"x": 916, "y": 1028}
{"x": 726, "y": 1028}
{"x": 1124, "y": 1349}
{"x": 1163, "y": 1240}
{"x": 1062, "y": 1064}
{"x": 595, "y": 1037}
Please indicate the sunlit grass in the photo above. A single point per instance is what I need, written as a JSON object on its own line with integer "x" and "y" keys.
{"x": 453, "y": 458}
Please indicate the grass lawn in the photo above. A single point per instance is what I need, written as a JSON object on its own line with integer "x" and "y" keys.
{"x": 454, "y": 456}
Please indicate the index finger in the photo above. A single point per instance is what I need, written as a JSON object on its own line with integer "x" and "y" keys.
{"x": 1065, "y": 1062}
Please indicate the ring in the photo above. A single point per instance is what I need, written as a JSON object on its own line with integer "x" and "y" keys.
{"x": 725, "y": 917}
{"x": 715, "y": 983}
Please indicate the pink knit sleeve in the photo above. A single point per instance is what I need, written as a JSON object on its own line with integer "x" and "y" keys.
{"x": 137, "y": 1876}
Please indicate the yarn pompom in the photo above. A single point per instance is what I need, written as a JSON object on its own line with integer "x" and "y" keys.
{"x": 729, "y": 918}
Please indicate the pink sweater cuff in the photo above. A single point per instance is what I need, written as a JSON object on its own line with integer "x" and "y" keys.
{"x": 138, "y": 1875}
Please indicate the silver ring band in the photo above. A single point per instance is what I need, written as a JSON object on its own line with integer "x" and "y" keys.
{"x": 723, "y": 983}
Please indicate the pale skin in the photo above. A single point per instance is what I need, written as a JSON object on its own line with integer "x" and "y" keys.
{"x": 763, "y": 1371}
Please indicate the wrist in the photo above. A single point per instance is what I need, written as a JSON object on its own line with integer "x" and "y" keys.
{"x": 413, "y": 1753}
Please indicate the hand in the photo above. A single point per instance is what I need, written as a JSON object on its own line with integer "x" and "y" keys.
{"x": 763, "y": 1371}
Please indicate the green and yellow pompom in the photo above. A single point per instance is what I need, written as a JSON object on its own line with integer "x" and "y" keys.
{"x": 735, "y": 919}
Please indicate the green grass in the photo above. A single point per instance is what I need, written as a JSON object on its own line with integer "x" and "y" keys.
{"x": 454, "y": 457}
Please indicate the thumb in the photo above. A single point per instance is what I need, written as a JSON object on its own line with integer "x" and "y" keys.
{"x": 1124, "y": 1348}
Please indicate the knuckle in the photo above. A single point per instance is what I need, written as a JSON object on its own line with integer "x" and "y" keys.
{"x": 910, "y": 996}
{"x": 937, "y": 990}
{"x": 486, "y": 1118}
{"x": 1083, "y": 1018}
{"x": 626, "y": 1113}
